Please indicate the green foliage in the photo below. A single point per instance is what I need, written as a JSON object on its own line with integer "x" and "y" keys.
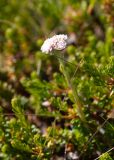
{"x": 18, "y": 109}
{"x": 105, "y": 156}
{"x": 39, "y": 98}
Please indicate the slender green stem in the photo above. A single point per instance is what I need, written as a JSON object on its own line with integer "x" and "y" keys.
{"x": 74, "y": 91}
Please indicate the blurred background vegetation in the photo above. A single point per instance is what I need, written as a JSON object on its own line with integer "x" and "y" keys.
{"x": 38, "y": 118}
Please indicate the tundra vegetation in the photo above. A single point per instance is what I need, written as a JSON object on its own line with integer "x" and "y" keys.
{"x": 57, "y": 106}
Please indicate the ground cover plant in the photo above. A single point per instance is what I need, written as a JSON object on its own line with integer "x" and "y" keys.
{"x": 60, "y": 105}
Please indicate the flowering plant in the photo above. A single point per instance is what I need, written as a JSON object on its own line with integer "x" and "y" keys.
{"x": 57, "y": 42}
{"x": 51, "y": 110}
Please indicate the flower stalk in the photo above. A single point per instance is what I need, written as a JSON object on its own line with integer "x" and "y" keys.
{"x": 59, "y": 42}
{"x": 74, "y": 91}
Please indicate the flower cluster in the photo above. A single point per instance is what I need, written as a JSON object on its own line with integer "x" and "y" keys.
{"x": 57, "y": 42}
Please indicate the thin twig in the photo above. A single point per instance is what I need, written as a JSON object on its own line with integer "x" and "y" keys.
{"x": 108, "y": 122}
{"x": 7, "y": 22}
{"x": 72, "y": 78}
{"x": 90, "y": 139}
{"x": 104, "y": 153}
{"x": 42, "y": 115}
{"x": 64, "y": 60}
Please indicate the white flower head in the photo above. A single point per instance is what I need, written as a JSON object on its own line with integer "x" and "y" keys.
{"x": 57, "y": 42}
